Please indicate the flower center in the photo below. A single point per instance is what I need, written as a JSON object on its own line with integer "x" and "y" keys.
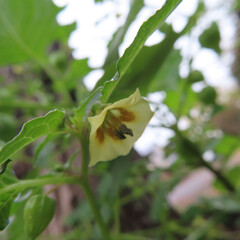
{"x": 123, "y": 129}
{"x": 113, "y": 124}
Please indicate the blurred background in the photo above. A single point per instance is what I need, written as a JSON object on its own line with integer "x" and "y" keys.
{"x": 181, "y": 180}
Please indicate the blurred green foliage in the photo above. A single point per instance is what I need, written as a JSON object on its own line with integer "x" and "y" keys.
{"x": 38, "y": 74}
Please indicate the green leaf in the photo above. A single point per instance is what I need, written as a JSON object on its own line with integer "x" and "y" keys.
{"x": 6, "y": 199}
{"x": 107, "y": 88}
{"x": 155, "y": 68}
{"x": 70, "y": 161}
{"x": 5, "y": 206}
{"x": 38, "y": 212}
{"x": 167, "y": 78}
{"x": 226, "y": 145}
{"x": 118, "y": 37}
{"x": 82, "y": 112}
{"x": 7, "y": 178}
{"x": 8, "y": 126}
{"x": 15, "y": 229}
{"x": 77, "y": 70}
{"x": 182, "y": 99}
{"x": 59, "y": 60}
{"x": 159, "y": 207}
{"x": 41, "y": 146}
{"x": 224, "y": 203}
{"x": 31, "y": 131}
{"x": 3, "y": 166}
{"x": 234, "y": 175}
{"x": 211, "y": 38}
{"x": 208, "y": 95}
{"x": 119, "y": 169}
{"x": 110, "y": 64}
{"x": 147, "y": 28}
{"x": 144, "y": 74}
{"x": 27, "y": 30}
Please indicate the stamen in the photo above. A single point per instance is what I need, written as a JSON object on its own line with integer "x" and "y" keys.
{"x": 113, "y": 126}
{"x": 125, "y": 130}
{"x": 119, "y": 134}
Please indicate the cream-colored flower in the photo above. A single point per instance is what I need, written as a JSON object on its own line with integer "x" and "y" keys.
{"x": 117, "y": 127}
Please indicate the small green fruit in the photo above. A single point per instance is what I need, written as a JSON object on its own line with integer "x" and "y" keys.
{"x": 211, "y": 38}
{"x": 195, "y": 76}
{"x": 38, "y": 212}
{"x": 208, "y": 95}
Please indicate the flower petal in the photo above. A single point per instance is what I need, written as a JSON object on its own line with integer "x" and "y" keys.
{"x": 110, "y": 148}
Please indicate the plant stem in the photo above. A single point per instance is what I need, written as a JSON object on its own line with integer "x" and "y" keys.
{"x": 24, "y": 184}
{"x": 196, "y": 154}
{"x": 117, "y": 216}
{"x": 87, "y": 188}
{"x": 219, "y": 175}
{"x": 95, "y": 209}
{"x": 85, "y": 155}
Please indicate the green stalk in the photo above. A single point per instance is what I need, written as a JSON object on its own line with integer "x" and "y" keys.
{"x": 24, "y": 184}
{"x": 87, "y": 188}
{"x": 85, "y": 156}
{"x": 95, "y": 209}
{"x": 117, "y": 216}
{"x": 196, "y": 154}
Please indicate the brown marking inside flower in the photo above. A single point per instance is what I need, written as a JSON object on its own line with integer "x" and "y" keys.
{"x": 113, "y": 126}
{"x": 100, "y": 134}
{"x": 111, "y": 133}
{"x": 113, "y": 121}
{"x": 125, "y": 115}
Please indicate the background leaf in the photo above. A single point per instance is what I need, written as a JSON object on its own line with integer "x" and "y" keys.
{"x": 81, "y": 114}
{"x": 38, "y": 212}
{"x": 31, "y": 131}
{"x": 26, "y": 33}
{"x": 147, "y": 28}
{"x": 210, "y": 38}
{"x": 6, "y": 199}
{"x": 118, "y": 37}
